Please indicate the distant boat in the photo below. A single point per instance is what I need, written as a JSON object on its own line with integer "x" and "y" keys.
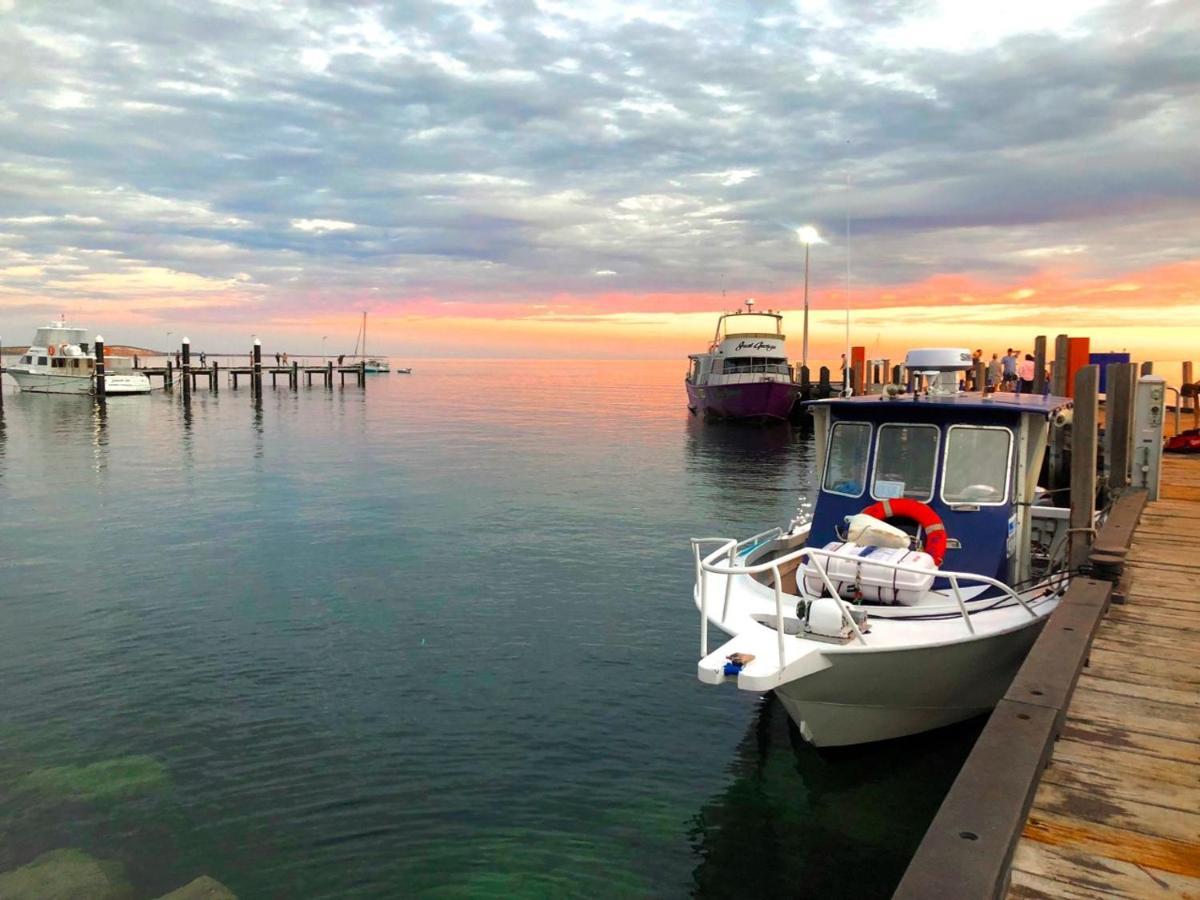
{"x": 370, "y": 363}
{"x": 404, "y": 371}
{"x": 744, "y": 374}
{"x": 61, "y": 361}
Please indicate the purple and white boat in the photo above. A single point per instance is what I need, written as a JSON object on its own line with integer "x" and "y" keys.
{"x": 745, "y": 373}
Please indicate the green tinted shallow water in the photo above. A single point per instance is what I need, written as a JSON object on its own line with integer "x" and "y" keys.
{"x": 430, "y": 640}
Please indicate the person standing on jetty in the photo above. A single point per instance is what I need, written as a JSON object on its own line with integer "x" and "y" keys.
{"x": 276, "y": 359}
{"x": 1009, "y": 363}
{"x": 1025, "y": 374}
{"x": 995, "y": 371}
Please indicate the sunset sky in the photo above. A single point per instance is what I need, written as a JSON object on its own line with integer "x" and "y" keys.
{"x": 557, "y": 179}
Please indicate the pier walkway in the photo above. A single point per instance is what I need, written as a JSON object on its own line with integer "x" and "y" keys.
{"x": 1117, "y": 811}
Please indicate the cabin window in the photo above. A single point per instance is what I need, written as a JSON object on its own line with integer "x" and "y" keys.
{"x": 27, "y": 360}
{"x": 905, "y": 462}
{"x": 846, "y": 463}
{"x": 978, "y": 460}
{"x": 41, "y": 360}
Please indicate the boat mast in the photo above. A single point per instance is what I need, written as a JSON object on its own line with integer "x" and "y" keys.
{"x": 364, "y": 334}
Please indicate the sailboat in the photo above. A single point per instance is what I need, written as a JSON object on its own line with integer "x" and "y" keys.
{"x": 372, "y": 364}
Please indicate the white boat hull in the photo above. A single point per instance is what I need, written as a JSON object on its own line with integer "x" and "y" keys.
{"x": 36, "y": 383}
{"x": 876, "y": 696}
{"x": 114, "y": 385}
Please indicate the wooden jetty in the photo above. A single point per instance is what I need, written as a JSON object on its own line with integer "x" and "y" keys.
{"x": 1117, "y": 810}
{"x": 1085, "y": 782}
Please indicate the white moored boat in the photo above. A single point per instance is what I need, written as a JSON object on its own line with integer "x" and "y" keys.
{"x": 867, "y": 631}
{"x": 60, "y": 360}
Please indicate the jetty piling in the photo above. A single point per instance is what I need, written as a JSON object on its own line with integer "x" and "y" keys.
{"x": 256, "y": 379}
{"x": 1039, "y": 364}
{"x": 185, "y": 358}
{"x": 1062, "y": 350}
{"x": 1083, "y": 463}
{"x": 100, "y": 385}
{"x": 1118, "y": 423}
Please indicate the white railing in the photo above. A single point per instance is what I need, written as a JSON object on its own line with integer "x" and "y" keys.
{"x": 723, "y": 561}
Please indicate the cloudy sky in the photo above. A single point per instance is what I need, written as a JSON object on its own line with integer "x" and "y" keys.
{"x": 554, "y": 178}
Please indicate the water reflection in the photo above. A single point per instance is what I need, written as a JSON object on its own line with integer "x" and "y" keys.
{"x": 739, "y": 465}
{"x": 99, "y": 433}
{"x": 793, "y": 810}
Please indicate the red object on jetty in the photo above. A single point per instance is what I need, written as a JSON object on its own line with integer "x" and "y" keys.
{"x": 1184, "y": 442}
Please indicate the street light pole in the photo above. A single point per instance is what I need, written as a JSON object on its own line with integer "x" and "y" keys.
{"x": 804, "y": 351}
{"x": 807, "y": 235}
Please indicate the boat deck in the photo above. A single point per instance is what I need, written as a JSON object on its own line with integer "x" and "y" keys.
{"x": 1117, "y": 811}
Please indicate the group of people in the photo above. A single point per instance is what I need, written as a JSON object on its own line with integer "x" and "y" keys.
{"x": 1007, "y": 373}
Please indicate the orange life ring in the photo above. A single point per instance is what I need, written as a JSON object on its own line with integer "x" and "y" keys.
{"x": 50, "y": 350}
{"x": 931, "y": 524}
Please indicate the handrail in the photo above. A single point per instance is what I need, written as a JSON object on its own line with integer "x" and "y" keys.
{"x": 728, "y": 549}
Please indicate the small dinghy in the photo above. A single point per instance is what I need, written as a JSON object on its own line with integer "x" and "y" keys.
{"x": 909, "y": 596}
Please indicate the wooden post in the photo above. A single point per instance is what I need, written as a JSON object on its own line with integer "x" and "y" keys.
{"x": 885, "y": 372}
{"x": 362, "y": 374}
{"x": 214, "y": 382}
{"x": 1062, "y": 350}
{"x": 824, "y": 388}
{"x": 1118, "y": 422}
{"x": 185, "y": 358}
{"x": 256, "y": 380}
{"x": 329, "y": 374}
{"x": 897, "y": 377}
{"x": 1083, "y": 463}
{"x": 295, "y": 379}
{"x": 1147, "y": 368}
{"x": 858, "y": 377}
{"x": 101, "y": 389}
{"x": 1039, "y": 365}
{"x": 979, "y": 373}
{"x": 1186, "y": 400}
{"x": 169, "y": 377}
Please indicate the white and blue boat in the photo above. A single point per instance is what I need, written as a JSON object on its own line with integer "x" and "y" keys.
{"x": 914, "y": 580}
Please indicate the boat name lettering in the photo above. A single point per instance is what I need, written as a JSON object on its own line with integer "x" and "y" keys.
{"x": 757, "y": 345}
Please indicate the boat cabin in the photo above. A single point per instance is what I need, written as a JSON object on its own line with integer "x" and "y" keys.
{"x": 972, "y": 459}
{"x": 745, "y": 343}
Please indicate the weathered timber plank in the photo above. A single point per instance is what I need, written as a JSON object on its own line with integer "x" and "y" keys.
{"x": 1129, "y": 815}
{"x": 1149, "y": 636}
{"x": 1095, "y": 756}
{"x": 1122, "y": 785}
{"x": 1161, "y": 671}
{"x": 1163, "y": 719}
{"x": 1084, "y": 875}
{"x": 1185, "y": 605}
{"x": 1118, "y": 672}
{"x": 1130, "y": 612}
{"x": 1100, "y": 681}
{"x": 1080, "y": 796}
{"x": 1111, "y": 639}
{"x": 1168, "y": 854}
{"x": 1172, "y": 749}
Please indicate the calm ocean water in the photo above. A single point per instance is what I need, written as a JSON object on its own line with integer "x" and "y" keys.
{"x": 434, "y": 639}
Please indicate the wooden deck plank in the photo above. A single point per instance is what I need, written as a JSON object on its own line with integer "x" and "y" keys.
{"x": 1162, "y": 719}
{"x": 1102, "y": 681}
{"x": 1146, "y": 819}
{"x": 1044, "y": 871}
{"x": 1105, "y": 782}
{"x": 1160, "y": 671}
{"x": 1071, "y": 833}
{"x": 1119, "y": 760}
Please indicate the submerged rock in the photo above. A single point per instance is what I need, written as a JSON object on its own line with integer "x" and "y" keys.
{"x": 66, "y": 875}
{"x": 203, "y": 888}
{"x": 111, "y": 778}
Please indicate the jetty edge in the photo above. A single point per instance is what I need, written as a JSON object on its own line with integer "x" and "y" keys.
{"x": 1084, "y": 779}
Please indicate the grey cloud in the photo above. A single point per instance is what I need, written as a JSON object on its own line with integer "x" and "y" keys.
{"x": 473, "y": 161}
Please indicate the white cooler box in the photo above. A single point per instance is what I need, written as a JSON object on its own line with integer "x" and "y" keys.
{"x": 857, "y": 567}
